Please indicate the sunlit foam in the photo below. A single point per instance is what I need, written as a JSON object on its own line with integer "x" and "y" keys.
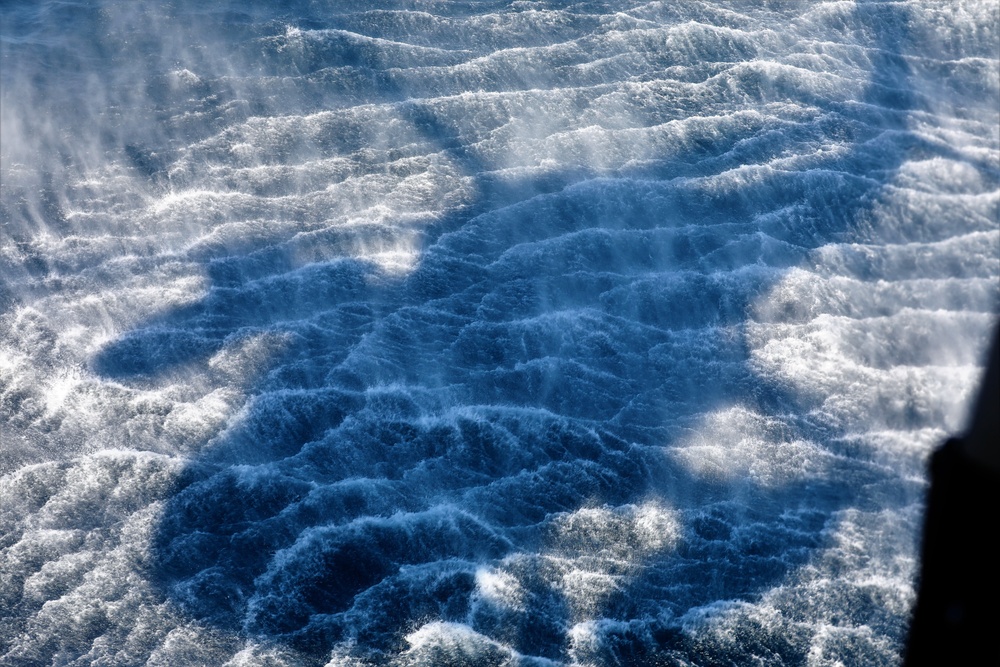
{"x": 616, "y": 532}
{"x": 833, "y": 363}
{"x": 184, "y": 199}
{"x": 587, "y": 641}
{"x": 907, "y": 450}
{"x": 440, "y": 642}
{"x": 865, "y": 567}
{"x": 889, "y": 333}
{"x": 246, "y": 358}
{"x": 198, "y": 421}
{"x": 58, "y": 389}
{"x": 590, "y": 554}
{"x": 7, "y": 361}
{"x": 595, "y": 551}
{"x": 184, "y": 77}
{"x": 740, "y": 445}
{"x": 584, "y": 641}
{"x": 499, "y": 588}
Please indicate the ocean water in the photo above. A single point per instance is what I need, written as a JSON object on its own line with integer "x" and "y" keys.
{"x": 484, "y": 333}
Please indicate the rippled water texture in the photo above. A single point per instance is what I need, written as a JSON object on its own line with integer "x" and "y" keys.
{"x": 484, "y": 333}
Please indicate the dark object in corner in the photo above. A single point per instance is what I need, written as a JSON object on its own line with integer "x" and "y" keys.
{"x": 956, "y": 620}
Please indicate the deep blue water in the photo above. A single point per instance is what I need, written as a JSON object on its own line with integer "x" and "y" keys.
{"x": 484, "y": 333}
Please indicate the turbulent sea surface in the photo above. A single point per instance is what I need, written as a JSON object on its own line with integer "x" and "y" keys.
{"x": 484, "y": 333}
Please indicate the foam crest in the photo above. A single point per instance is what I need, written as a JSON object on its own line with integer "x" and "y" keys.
{"x": 739, "y": 446}
{"x": 440, "y": 643}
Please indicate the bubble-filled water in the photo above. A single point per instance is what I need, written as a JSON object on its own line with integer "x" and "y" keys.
{"x": 484, "y": 333}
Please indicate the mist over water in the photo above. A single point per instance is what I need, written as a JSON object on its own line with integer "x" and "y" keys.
{"x": 484, "y": 333}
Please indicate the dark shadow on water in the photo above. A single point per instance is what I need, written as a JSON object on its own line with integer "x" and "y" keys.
{"x": 357, "y": 462}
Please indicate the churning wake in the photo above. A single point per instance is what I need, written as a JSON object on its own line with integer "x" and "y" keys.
{"x": 484, "y": 333}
